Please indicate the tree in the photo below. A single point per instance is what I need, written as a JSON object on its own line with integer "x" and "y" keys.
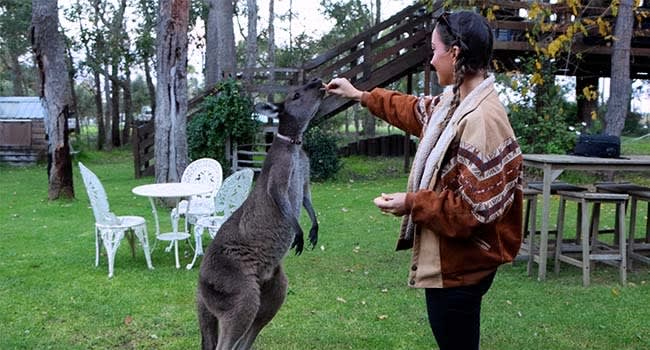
{"x": 14, "y": 20}
{"x": 220, "y": 57}
{"x": 171, "y": 90}
{"x": 271, "y": 44}
{"x": 49, "y": 54}
{"x": 145, "y": 44}
{"x": 251, "y": 40}
{"x": 94, "y": 45}
{"x": 620, "y": 87}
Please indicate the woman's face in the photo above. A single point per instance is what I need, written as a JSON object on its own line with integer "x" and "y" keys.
{"x": 443, "y": 59}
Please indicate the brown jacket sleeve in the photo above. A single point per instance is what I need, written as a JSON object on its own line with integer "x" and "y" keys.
{"x": 448, "y": 213}
{"x": 406, "y": 112}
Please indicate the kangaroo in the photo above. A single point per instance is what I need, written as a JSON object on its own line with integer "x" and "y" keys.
{"x": 241, "y": 282}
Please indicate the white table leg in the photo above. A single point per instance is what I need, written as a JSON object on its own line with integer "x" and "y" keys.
{"x": 155, "y": 215}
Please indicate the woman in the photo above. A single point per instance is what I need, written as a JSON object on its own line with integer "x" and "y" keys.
{"x": 462, "y": 209}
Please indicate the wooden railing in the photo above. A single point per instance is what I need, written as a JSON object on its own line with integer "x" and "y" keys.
{"x": 143, "y": 149}
{"x": 376, "y": 57}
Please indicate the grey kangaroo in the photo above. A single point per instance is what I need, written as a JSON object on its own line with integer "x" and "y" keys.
{"x": 241, "y": 282}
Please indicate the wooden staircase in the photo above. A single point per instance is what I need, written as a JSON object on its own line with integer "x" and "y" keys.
{"x": 376, "y": 57}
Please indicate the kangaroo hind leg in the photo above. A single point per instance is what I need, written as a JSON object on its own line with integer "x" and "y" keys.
{"x": 235, "y": 321}
{"x": 272, "y": 295}
{"x": 207, "y": 325}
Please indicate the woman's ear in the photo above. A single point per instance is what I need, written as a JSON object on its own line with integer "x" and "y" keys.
{"x": 455, "y": 51}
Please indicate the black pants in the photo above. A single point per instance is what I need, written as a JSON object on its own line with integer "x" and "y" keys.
{"x": 455, "y": 314}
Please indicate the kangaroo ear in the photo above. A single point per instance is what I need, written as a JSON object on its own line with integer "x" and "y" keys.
{"x": 268, "y": 109}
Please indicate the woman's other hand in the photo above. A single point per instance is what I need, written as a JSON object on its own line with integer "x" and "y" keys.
{"x": 342, "y": 87}
{"x": 394, "y": 203}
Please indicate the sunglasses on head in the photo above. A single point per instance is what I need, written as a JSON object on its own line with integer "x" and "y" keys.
{"x": 443, "y": 19}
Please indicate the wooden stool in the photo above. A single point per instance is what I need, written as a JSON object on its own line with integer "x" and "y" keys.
{"x": 592, "y": 250}
{"x": 537, "y": 186}
{"x": 636, "y": 193}
{"x": 556, "y": 186}
{"x": 633, "y": 245}
{"x": 529, "y": 228}
{"x": 619, "y": 187}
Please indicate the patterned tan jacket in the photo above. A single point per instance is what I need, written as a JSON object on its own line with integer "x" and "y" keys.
{"x": 468, "y": 221}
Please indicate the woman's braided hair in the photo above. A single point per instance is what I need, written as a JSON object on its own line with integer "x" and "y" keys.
{"x": 473, "y": 35}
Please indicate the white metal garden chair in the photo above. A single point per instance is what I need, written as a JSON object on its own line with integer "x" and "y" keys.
{"x": 109, "y": 228}
{"x": 204, "y": 171}
{"x": 230, "y": 196}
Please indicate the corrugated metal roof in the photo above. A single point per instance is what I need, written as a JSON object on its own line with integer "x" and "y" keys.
{"x": 15, "y": 107}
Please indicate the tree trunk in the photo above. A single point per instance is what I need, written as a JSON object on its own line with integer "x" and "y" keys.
{"x": 220, "y": 57}
{"x": 271, "y": 33}
{"x": 49, "y": 54}
{"x": 150, "y": 85}
{"x": 171, "y": 90}
{"x": 620, "y": 88}
{"x": 18, "y": 82}
{"x": 378, "y": 12}
{"x": 99, "y": 109}
{"x": 115, "y": 108}
{"x": 108, "y": 142}
{"x": 128, "y": 106}
{"x": 369, "y": 125}
{"x": 251, "y": 40}
{"x": 586, "y": 106}
{"x": 73, "y": 94}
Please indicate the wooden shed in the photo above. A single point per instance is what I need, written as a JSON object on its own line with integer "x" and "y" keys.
{"x": 22, "y": 130}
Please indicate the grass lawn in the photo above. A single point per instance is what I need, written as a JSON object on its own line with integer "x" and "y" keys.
{"x": 349, "y": 293}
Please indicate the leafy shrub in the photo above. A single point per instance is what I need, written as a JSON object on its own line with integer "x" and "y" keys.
{"x": 633, "y": 126}
{"x": 323, "y": 153}
{"x": 541, "y": 117}
{"x": 227, "y": 114}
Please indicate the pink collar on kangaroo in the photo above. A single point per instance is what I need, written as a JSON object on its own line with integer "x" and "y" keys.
{"x": 288, "y": 139}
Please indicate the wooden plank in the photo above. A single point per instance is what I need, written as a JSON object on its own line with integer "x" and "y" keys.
{"x": 250, "y": 162}
{"x": 16, "y": 133}
{"x": 251, "y": 153}
{"x": 380, "y": 77}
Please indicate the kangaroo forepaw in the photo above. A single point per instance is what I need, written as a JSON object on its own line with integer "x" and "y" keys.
{"x": 298, "y": 243}
{"x": 313, "y": 236}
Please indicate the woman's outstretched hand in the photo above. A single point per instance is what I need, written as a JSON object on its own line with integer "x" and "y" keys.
{"x": 342, "y": 87}
{"x": 394, "y": 203}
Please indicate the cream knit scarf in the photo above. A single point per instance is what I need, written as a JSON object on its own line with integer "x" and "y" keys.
{"x": 434, "y": 144}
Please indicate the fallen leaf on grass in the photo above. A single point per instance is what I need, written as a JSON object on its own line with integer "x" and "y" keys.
{"x": 128, "y": 320}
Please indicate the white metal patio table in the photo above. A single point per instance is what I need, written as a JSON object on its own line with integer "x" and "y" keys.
{"x": 553, "y": 165}
{"x": 174, "y": 190}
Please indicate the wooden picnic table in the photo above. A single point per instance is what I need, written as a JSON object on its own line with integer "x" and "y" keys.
{"x": 553, "y": 165}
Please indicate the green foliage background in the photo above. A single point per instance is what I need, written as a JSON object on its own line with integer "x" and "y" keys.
{"x": 542, "y": 119}
{"x": 323, "y": 154}
{"x": 228, "y": 114}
